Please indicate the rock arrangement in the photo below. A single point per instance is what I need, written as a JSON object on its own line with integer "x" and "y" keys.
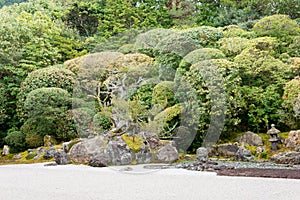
{"x": 291, "y": 157}
{"x": 203, "y": 165}
{"x": 101, "y": 152}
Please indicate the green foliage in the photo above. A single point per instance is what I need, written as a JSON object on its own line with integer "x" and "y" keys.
{"x": 235, "y": 31}
{"x": 84, "y": 16}
{"x": 10, "y": 2}
{"x": 178, "y": 44}
{"x": 30, "y": 156}
{"x": 259, "y": 68}
{"x": 163, "y": 94}
{"x": 144, "y": 94}
{"x": 200, "y": 55}
{"x": 276, "y": 26}
{"x": 290, "y": 114}
{"x": 15, "y": 139}
{"x": 47, "y": 114}
{"x": 206, "y": 35}
{"x": 294, "y": 48}
{"x": 233, "y": 46}
{"x": 119, "y": 16}
{"x": 102, "y": 121}
{"x": 170, "y": 118}
{"x": 169, "y": 52}
{"x": 146, "y": 42}
{"x": 83, "y": 118}
{"x": 43, "y": 78}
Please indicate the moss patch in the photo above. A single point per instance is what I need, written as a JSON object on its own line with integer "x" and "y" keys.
{"x": 135, "y": 143}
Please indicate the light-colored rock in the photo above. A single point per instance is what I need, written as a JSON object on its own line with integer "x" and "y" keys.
{"x": 49, "y": 153}
{"x": 202, "y": 153}
{"x": 119, "y": 153}
{"x": 144, "y": 155}
{"x": 99, "y": 160}
{"x": 243, "y": 155}
{"x": 65, "y": 146}
{"x": 291, "y": 157}
{"x": 227, "y": 150}
{"x": 5, "y": 151}
{"x": 17, "y": 156}
{"x": 61, "y": 158}
{"x": 250, "y": 138}
{"x": 83, "y": 151}
{"x": 167, "y": 154}
{"x": 293, "y": 139}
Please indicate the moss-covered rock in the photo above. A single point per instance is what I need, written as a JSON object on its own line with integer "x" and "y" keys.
{"x": 134, "y": 142}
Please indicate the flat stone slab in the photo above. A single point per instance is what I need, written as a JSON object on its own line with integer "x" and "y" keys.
{"x": 259, "y": 172}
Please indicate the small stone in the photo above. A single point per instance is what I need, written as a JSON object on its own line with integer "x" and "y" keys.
{"x": 61, "y": 158}
{"x": 5, "y": 151}
{"x": 17, "y": 156}
{"x": 243, "y": 155}
{"x": 202, "y": 153}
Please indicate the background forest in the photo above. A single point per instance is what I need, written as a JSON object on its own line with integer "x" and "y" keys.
{"x": 43, "y": 43}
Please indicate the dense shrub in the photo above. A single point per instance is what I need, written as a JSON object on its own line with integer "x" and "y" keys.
{"x": 216, "y": 86}
{"x": 101, "y": 122}
{"x": 170, "y": 117}
{"x": 15, "y": 139}
{"x": 259, "y": 68}
{"x": 235, "y": 31}
{"x": 294, "y": 48}
{"x": 206, "y": 35}
{"x": 47, "y": 111}
{"x": 163, "y": 94}
{"x": 200, "y": 55}
{"x": 232, "y": 46}
{"x": 146, "y": 42}
{"x": 291, "y": 106}
{"x": 179, "y": 44}
{"x": 276, "y": 26}
{"x": 43, "y": 78}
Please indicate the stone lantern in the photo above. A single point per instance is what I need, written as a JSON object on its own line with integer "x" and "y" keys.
{"x": 274, "y": 137}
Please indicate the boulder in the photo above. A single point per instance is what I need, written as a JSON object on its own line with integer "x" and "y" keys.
{"x": 99, "y": 160}
{"x": 17, "y": 156}
{"x": 83, "y": 151}
{"x": 291, "y": 157}
{"x": 227, "y": 150}
{"x": 49, "y": 153}
{"x": 5, "y": 151}
{"x": 167, "y": 154}
{"x": 61, "y": 158}
{"x": 144, "y": 155}
{"x": 250, "y": 138}
{"x": 119, "y": 153}
{"x": 293, "y": 139}
{"x": 243, "y": 154}
{"x": 202, "y": 153}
